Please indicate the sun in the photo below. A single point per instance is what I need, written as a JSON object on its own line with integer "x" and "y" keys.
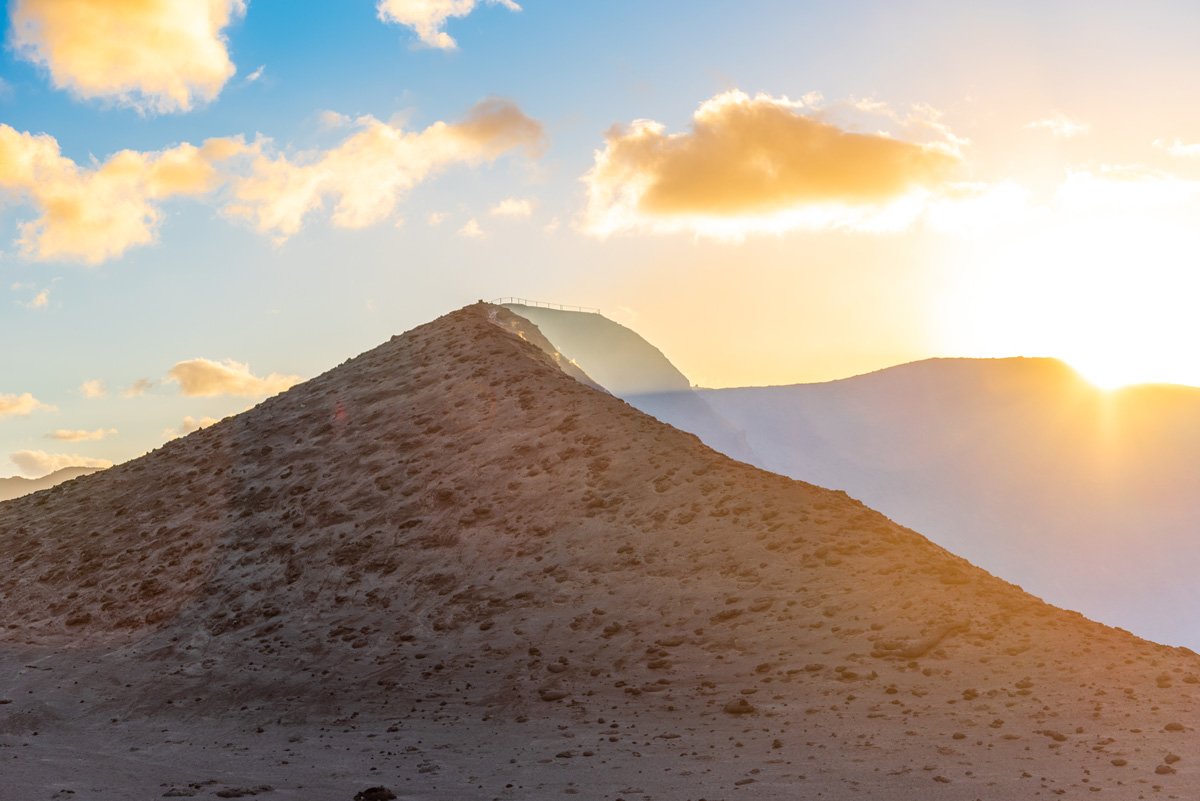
{"x": 1117, "y": 297}
{"x": 1151, "y": 364}
{"x": 1112, "y": 374}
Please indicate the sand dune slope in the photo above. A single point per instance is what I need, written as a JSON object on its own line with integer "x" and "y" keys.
{"x": 448, "y": 568}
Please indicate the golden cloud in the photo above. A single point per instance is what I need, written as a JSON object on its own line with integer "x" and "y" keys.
{"x": 764, "y": 163}
{"x": 427, "y": 17}
{"x": 206, "y": 378}
{"x": 93, "y": 214}
{"x": 138, "y": 388}
{"x": 40, "y": 463}
{"x": 81, "y": 435}
{"x": 367, "y": 173}
{"x": 21, "y": 405}
{"x": 154, "y": 55}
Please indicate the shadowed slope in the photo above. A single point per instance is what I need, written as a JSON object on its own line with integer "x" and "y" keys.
{"x": 450, "y": 563}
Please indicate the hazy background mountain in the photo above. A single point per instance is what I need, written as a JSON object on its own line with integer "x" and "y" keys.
{"x": 624, "y": 363}
{"x": 1084, "y": 497}
{"x": 17, "y": 486}
{"x": 618, "y": 358}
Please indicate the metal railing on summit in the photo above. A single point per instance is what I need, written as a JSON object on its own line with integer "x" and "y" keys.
{"x": 543, "y": 305}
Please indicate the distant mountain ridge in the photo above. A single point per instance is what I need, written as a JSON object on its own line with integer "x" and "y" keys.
{"x": 18, "y": 486}
{"x": 1085, "y": 497}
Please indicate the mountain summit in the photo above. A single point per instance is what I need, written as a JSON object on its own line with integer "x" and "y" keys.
{"x": 449, "y": 568}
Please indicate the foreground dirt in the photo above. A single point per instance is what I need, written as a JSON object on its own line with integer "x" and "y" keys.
{"x": 450, "y": 569}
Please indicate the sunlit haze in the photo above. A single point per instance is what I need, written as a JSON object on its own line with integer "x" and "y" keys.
{"x": 202, "y": 206}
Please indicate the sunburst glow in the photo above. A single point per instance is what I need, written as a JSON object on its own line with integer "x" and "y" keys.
{"x": 1105, "y": 278}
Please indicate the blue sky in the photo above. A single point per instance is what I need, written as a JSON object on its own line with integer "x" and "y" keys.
{"x": 1068, "y": 125}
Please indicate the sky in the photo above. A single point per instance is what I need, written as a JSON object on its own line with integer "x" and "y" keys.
{"x": 204, "y": 202}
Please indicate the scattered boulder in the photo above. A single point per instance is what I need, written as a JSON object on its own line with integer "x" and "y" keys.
{"x": 740, "y": 706}
{"x": 374, "y": 794}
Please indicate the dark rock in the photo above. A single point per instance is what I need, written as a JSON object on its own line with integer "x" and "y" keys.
{"x": 374, "y": 794}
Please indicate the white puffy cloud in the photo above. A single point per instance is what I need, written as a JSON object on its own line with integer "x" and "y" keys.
{"x": 428, "y": 17}
{"x": 40, "y": 301}
{"x": 21, "y": 405}
{"x": 96, "y": 213}
{"x": 81, "y": 435}
{"x": 153, "y": 55}
{"x": 333, "y": 119}
{"x": 1179, "y": 148}
{"x": 137, "y": 388}
{"x": 471, "y": 229}
{"x": 1061, "y": 126}
{"x": 92, "y": 388}
{"x": 367, "y": 173}
{"x": 1132, "y": 188}
{"x": 39, "y": 463}
{"x": 516, "y": 207}
{"x": 205, "y": 378}
{"x": 769, "y": 164}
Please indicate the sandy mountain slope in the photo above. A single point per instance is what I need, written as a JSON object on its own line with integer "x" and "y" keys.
{"x": 17, "y": 486}
{"x": 448, "y": 568}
